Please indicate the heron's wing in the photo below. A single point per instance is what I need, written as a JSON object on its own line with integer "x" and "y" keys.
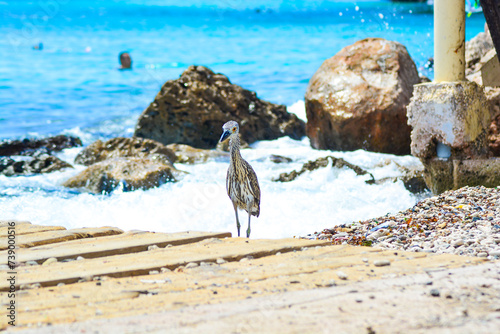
{"x": 253, "y": 181}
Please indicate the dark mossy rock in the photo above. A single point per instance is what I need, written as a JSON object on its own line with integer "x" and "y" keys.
{"x": 322, "y": 163}
{"x": 125, "y": 173}
{"x": 192, "y": 109}
{"x": 125, "y": 147}
{"x": 33, "y": 165}
{"x": 32, "y": 147}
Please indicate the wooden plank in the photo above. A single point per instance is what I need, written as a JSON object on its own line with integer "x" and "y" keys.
{"x": 307, "y": 269}
{"x": 28, "y": 228}
{"x": 129, "y": 242}
{"x": 49, "y": 237}
{"x": 142, "y": 263}
{"x": 4, "y": 223}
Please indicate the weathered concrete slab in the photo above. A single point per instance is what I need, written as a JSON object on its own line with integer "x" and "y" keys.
{"x": 121, "y": 277}
{"x": 309, "y": 268}
{"x": 27, "y": 228}
{"x": 144, "y": 262}
{"x": 49, "y": 237}
{"x": 4, "y": 223}
{"x": 467, "y": 303}
{"x": 129, "y": 242}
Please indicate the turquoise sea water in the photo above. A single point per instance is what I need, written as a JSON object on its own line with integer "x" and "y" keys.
{"x": 271, "y": 47}
{"x": 73, "y": 86}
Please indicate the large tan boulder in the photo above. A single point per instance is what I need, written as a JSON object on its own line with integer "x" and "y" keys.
{"x": 125, "y": 173}
{"x": 192, "y": 109}
{"x": 357, "y": 99}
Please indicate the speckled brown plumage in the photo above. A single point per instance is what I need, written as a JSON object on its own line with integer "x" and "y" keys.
{"x": 242, "y": 184}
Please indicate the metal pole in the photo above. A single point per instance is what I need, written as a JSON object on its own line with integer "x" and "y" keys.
{"x": 449, "y": 40}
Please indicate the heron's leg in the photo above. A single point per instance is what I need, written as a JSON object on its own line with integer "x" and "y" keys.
{"x": 237, "y": 220}
{"x": 249, "y": 216}
{"x": 248, "y": 229}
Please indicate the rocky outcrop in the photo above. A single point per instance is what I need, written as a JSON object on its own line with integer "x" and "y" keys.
{"x": 124, "y": 173}
{"x": 477, "y": 52}
{"x": 192, "y": 109}
{"x": 124, "y": 163}
{"x": 33, "y": 156}
{"x": 321, "y": 163}
{"x": 186, "y": 154}
{"x": 357, "y": 99}
{"x": 475, "y": 49}
{"x": 32, "y": 147}
{"x": 43, "y": 163}
{"x": 125, "y": 147}
{"x": 412, "y": 178}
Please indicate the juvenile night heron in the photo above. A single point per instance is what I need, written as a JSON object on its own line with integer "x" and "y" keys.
{"x": 241, "y": 182}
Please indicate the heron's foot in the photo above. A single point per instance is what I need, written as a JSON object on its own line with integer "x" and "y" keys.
{"x": 248, "y": 233}
{"x": 238, "y": 227}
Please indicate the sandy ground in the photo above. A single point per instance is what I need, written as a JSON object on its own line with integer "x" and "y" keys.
{"x": 461, "y": 300}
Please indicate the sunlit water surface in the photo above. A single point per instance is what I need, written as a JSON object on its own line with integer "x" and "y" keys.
{"x": 73, "y": 87}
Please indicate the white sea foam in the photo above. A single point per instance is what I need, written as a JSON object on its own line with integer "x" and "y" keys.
{"x": 299, "y": 109}
{"x": 315, "y": 200}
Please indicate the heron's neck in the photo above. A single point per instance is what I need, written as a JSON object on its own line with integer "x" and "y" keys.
{"x": 234, "y": 147}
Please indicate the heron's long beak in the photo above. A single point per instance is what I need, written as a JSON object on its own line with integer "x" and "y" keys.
{"x": 224, "y": 136}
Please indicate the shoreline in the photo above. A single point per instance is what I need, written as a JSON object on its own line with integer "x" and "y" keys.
{"x": 465, "y": 221}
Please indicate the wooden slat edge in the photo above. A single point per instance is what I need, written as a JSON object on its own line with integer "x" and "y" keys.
{"x": 32, "y": 229}
{"x": 145, "y": 270}
{"x": 61, "y": 236}
{"x": 135, "y": 248}
{"x": 5, "y": 222}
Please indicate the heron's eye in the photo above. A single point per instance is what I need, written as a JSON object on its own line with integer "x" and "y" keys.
{"x": 234, "y": 129}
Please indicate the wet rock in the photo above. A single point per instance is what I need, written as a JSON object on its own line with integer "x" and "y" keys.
{"x": 413, "y": 179}
{"x": 31, "y": 165}
{"x": 321, "y": 163}
{"x": 5, "y": 163}
{"x": 124, "y": 173}
{"x": 278, "y": 159}
{"x": 125, "y": 147}
{"x": 33, "y": 147}
{"x": 192, "y": 109}
{"x": 357, "y": 99}
{"x": 186, "y": 154}
{"x": 475, "y": 49}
